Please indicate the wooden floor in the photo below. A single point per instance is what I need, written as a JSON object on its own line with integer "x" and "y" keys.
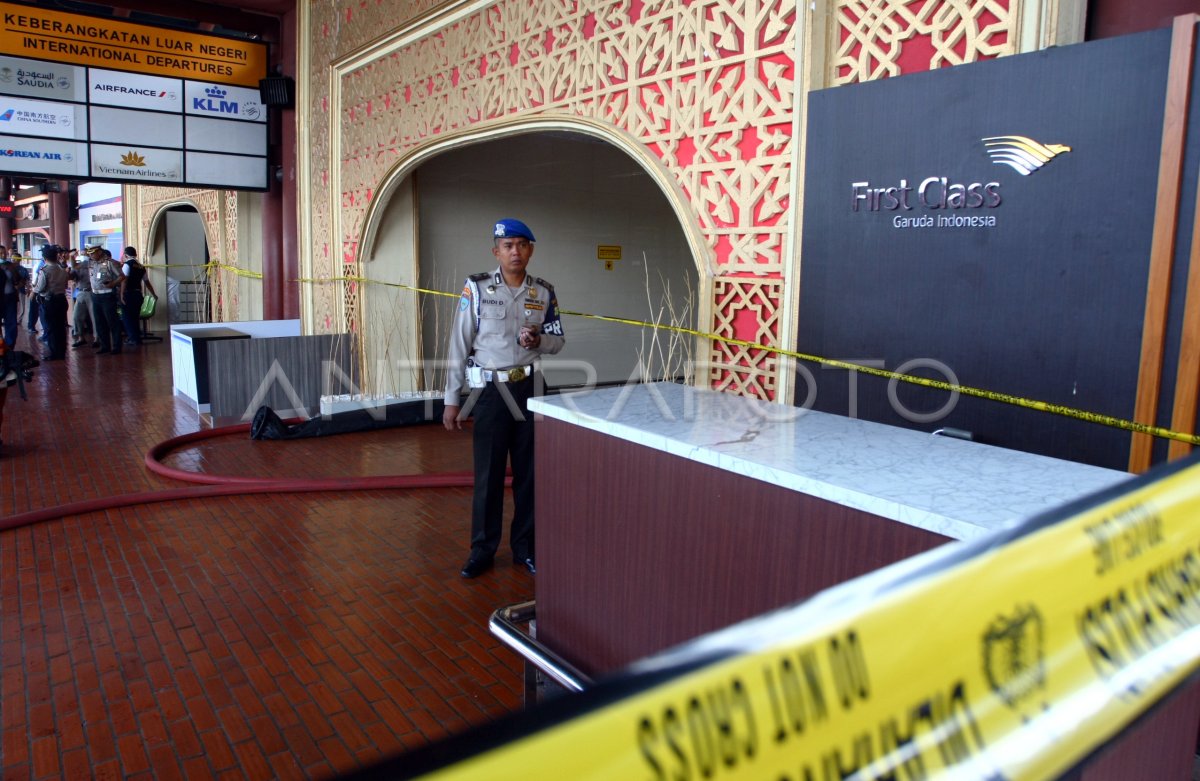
{"x": 254, "y": 636}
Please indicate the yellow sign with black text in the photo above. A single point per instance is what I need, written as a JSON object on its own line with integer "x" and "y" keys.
{"x": 101, "y": 42}
{"x": 608, "y": 252}
{"x": 1012, "y": 657}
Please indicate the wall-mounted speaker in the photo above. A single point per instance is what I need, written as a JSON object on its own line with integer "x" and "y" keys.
{"x": 277, "y": 91}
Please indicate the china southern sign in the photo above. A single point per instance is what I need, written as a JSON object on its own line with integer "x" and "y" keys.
{"x": 134, "y": 103}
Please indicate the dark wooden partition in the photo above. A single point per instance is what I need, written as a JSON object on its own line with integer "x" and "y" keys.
{"x": 281, "y": 372}
{"x": 639, "y": 550}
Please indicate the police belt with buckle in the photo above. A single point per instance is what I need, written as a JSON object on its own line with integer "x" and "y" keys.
{"x": 477, "y": 376}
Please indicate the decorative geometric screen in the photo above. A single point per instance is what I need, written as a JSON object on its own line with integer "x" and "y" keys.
{"x": 707, "y": 86}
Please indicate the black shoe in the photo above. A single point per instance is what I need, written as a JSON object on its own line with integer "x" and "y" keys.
{"x": 476, "y": 567}
{"x": 78, "y": 344}
{"x": 103, "y": 350}
{"x": 527, "y": 563}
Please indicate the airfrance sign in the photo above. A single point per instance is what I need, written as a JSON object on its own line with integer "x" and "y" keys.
{"x": 127, "y": 90}
{"x": 110, "y": 43}
{"x": 946, "y": 202}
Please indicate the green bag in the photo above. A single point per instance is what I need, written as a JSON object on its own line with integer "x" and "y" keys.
{"x": 148, "y": 304}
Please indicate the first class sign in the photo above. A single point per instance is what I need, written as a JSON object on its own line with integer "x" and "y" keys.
{"x": 43, "y": 34}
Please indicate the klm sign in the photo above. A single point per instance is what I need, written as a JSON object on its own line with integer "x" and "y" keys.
{"x": 214, "y": 100}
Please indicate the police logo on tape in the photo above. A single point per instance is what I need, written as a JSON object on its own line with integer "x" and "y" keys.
{"x": 1014, "y": 657}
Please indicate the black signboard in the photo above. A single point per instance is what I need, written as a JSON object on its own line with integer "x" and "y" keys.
{"x": 988, "y": 224}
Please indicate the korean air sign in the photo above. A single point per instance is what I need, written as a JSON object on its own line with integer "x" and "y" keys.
{"x": 223, "y": 101}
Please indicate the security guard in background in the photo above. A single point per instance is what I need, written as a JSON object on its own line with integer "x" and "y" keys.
{"x": 51, "y": 290}
{"x": 505, "y": 320}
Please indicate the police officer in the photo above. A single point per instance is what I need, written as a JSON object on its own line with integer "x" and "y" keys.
{"x": 51, "y": 290}
{"x": 505, "y": 320}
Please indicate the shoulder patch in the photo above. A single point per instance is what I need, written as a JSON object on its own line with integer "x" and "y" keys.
{"x": 480, "y": 277}
{"x": 544, "y": 283}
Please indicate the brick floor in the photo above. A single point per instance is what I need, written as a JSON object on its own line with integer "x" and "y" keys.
{"x": 258, "y": 636}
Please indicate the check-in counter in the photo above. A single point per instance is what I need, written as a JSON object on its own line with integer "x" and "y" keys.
{"x": 189, "y": 360}
{"x": 666, "y": 512}
{"x": 226, "y": 370}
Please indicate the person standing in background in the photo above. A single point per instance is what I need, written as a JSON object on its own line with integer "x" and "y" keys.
{"x": 50, "y": 288}
{"x": 13, "y": 282}
{"x": 106, "y": 282}
{"x": 133, "y": 288}
{"x": 83, "y": 319}
{"x": 34, "y": 314}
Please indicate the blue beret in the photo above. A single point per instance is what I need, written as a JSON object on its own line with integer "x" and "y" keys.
{"x": 507, "y": 228}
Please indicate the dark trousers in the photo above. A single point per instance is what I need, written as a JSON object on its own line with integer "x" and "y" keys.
{"x": 9, "y": 316}
{"x": 31, "y": 317}
{"x": 132, "y": 317}
{"x": 108, "y": 325}
{"x": 498, "y": 433}
{"x": 54, "y": 317}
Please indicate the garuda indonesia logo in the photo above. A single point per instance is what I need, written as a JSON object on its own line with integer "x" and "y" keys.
{"x": 1022, "y": 153}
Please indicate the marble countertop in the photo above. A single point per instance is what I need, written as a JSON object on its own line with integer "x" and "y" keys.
{"x": 949, "y": 486}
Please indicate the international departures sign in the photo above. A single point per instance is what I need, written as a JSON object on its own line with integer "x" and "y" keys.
{"x": 99, "y": 98}
{"x": 110, "y": 43}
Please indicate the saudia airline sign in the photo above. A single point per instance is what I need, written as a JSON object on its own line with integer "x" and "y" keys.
{"x": 954, "y": 228}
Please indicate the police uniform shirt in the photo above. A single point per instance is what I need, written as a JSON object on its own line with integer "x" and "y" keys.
{"x": 489, "y": 320}
{"x": 103, "y": 272}
{"x": 51, "y": 280}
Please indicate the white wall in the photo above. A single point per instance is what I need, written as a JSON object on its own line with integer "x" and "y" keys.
{"x": 391, "y": 313}
{"x": 250, "y": 257}
{"x": 185, "y": 255}
{"x": 186, "y": 244}
{"x": 575, "y": 193}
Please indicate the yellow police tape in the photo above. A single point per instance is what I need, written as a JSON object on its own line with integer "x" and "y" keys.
{"x": 1013, "y": 657}
{"x": 967, "y": 390}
